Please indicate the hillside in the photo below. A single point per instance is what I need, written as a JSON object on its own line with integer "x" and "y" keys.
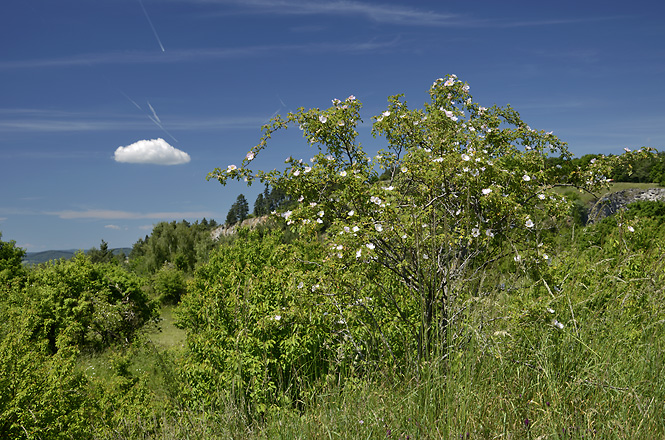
{"x": 32, "y": 258}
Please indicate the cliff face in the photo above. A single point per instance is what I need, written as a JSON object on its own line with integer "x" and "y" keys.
{"x": 611, "y": 203}
{"x": 251, "y": 223}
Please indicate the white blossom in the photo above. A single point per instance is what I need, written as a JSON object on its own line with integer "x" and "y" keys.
{"x": 323, "y": 119}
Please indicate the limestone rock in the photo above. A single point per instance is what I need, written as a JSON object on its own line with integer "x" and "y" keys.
{"x": 250, "y": 223}
{"x": 611, "y": 203}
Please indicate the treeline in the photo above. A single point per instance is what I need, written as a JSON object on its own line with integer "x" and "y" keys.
{"x": 181, "y": 244}
{"x": 649, "y": 169}
{"x": 266, "y": 202}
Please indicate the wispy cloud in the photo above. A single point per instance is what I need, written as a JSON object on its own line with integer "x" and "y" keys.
{"x": 377, "y": 12}
{"x": 154, "y": 31}
{"x": 184, "y": 55}
{"x": 105, "y": 214}
{"x": 36, "y": 120}
{"x": 153, "y": 151}
{"x": 116, "y": 227}
{"x": 384, "y": 13}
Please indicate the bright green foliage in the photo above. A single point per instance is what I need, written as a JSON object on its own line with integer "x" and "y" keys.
{"x": 464, "y": 187}
{"x": 40, "y": 396}
{"x": 78, "y": 303}
{"x": 169, "y": 285}
{"x": 10, "y": 261}
{"x": 253, "y": 330}
{"x": 181, "y": 244}
{"x": 642, "y": 169}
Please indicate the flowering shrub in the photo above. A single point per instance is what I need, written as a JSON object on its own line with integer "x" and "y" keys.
{"x": 458, "y": 188}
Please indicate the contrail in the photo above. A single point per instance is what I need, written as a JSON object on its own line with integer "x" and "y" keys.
{"x": 154, "y": 113}
{"x": 154, "y": 118}
{"x": 130, "y": 100}
{"x": 153, "y": 27}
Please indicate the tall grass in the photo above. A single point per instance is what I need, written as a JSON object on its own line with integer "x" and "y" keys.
{"x": 578, "y": 357}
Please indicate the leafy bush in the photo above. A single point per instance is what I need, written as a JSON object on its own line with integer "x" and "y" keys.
{"x": 252, "y": 331}
{"x": 169, "y": 285}
{"x": 82, "y": 304}
{"x": 41, "y": 396}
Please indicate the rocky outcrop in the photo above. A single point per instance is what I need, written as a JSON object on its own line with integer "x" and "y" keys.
{"x": 250, "y": 223}
{"x": 611, "y": 203}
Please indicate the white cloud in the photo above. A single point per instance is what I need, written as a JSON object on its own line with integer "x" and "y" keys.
{"x": 116, "y": 227}
{"x": 153, "y": 151}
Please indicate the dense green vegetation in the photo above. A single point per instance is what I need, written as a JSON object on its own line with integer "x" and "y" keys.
{"x": 450, "y": 294}
{"x": 246, "y": 374}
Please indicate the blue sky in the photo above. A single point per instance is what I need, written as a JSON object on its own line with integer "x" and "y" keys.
{"x": 80, "y": 79}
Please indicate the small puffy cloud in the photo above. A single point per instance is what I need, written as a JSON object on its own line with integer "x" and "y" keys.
{"x": 153, "y": 151}
{"x": 116, "y": 227}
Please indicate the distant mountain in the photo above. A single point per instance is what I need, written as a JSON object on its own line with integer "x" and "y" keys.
{"x": 32, "y": 258}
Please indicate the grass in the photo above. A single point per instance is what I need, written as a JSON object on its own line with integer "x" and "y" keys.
{"x": 601, "y": 376}
{"x": 167, "y": 335}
